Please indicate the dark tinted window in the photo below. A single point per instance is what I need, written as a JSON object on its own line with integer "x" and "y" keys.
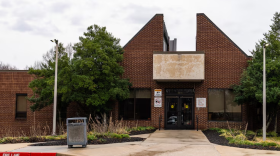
{"x": 138, "y": 106}
{"x": 21, "y": 105}
{"x": 222, "y": 107}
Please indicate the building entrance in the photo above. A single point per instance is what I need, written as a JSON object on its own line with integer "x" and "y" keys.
{"x": 179, "y": 109}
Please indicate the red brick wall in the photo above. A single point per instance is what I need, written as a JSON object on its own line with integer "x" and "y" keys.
{"x": 224, "y": 65}
{"x": 11, "y": 83}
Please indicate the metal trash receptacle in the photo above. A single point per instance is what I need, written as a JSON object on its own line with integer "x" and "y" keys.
{"x": 76, "y": 131}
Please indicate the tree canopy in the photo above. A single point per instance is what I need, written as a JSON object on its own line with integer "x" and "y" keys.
{"x": 250, "y": 89}
{"x": 43, "y": 83}
{"x": 97, "y": 71}
{"x": 91, "y": 77}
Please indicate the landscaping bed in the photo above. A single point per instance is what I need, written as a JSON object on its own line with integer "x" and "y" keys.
{"x": 142, "y": 130}
{"x": 91, "y": 142}
{"x": 94, "y": 137}
{"x": 222, "y": 137}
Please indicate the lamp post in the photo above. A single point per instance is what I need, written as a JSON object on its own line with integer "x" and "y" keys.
{"x": 55, "y": 87}
{"x": 264, "y": 93}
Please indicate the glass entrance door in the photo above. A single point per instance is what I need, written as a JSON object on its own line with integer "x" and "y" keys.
{"x": 186, "y": 109}
{"x": 179, "y": 112}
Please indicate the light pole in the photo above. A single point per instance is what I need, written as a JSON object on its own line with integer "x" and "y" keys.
{"x": 55, "y": 87}
{"x": 264, "y": 94}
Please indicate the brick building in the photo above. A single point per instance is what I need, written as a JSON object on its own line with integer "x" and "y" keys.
{"x": 190, "y": 85}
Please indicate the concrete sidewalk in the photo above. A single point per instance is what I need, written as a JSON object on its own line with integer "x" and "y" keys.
{"x": 11, "y": 147}
{"x": 160, "y": 143}
{"x": 234, "y": 151}
{"x": 164, "y": 142}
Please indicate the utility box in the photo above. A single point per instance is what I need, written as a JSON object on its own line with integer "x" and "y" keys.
{"x": 76, "y": 131}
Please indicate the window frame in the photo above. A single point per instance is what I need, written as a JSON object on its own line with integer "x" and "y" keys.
{"x": 20, "y": 94}
{"x": 134, "y": 104}
{"x": 224, "y": 89}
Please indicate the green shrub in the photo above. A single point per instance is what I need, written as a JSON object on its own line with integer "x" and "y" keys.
{"x": 91, "y": 137}
{"x": 259, "y": 132}
{"x": 125, "y": 136}
{"x": 240, "y": 137}
{"x": 50, "y": 137}
{"x": 265, "y": 144}
{"x": 114, "y": 135}
{"x": 250, "y": 132}
{"x": 273, "y": 134}
{"x": 215, "y": 129}
{"x": 140, "y": 128}
{"x": 25, "y": 139}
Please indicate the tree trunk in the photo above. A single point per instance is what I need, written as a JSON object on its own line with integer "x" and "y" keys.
{"x": 59, "y": 120}
{"x": 275, "y": 124}
{"x": 269, "y": 121}
{"x": 104, "y": 121}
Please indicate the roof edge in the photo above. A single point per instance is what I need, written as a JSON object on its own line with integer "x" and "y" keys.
{"x": 223, "y": 33}
{"x": 13, "y": 70}
{"x": 141, "y": 29}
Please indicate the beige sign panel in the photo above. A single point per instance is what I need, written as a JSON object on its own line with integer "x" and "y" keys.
{"x": 178, "y": 66}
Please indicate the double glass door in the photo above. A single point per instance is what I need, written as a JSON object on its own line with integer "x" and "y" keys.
{"x": 179, "y": 112}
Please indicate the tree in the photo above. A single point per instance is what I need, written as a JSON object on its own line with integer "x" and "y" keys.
{"x": 43, "y": 83}
{"x": 96, "y": 70}
{"x": 7, "y": 66}
{"x": 50, "y": 56}
{"x": 250, "y": 89}
{"x": 92, "y": 77}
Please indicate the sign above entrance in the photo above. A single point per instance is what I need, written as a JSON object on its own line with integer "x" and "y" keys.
{"x": 157, "y": 102}
{"x": 200, "y": 102}
{"x": 158, "y": 92}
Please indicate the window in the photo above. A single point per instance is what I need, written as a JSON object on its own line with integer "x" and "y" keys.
{"x": 137, "y": 106}
{"x": 222, "y": 107}
{"x": 21, "y": 105}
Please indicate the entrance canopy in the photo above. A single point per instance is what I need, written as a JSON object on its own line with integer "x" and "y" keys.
{"x": 179, "y": 66}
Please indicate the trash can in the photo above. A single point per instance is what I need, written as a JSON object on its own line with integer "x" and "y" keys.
{"x": 76, "y": 131}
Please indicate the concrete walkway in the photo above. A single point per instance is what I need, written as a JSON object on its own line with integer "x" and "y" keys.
{"x": 234, "y": 151}
{"x": 160, "y": 143}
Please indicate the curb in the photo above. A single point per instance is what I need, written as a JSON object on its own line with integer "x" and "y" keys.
{"x": 27, "y": 154}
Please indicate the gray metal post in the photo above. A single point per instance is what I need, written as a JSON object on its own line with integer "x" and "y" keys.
{"x": 264, "y": 96}
{"x": 55, "y": 89}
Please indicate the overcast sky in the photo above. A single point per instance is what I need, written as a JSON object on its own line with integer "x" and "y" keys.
{"x": 27, "y": 26}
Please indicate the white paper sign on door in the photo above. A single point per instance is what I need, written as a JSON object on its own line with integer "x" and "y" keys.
{"x": 157, "y": 102}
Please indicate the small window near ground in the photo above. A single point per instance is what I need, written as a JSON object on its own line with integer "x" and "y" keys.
{"x": 21, "y": 105}
{"x": 137, "y": 106}
{"x": 222, "y": 106}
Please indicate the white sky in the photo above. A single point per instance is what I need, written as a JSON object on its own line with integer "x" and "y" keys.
{"x": 27, "y": 26}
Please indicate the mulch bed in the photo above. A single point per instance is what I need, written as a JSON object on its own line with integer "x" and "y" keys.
{"x": 92, "y": 142}
{"x": 213, "y": 137}
{"x": 142, "y": 132}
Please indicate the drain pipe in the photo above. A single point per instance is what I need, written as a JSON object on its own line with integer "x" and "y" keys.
{"x": 196, "y": 122}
